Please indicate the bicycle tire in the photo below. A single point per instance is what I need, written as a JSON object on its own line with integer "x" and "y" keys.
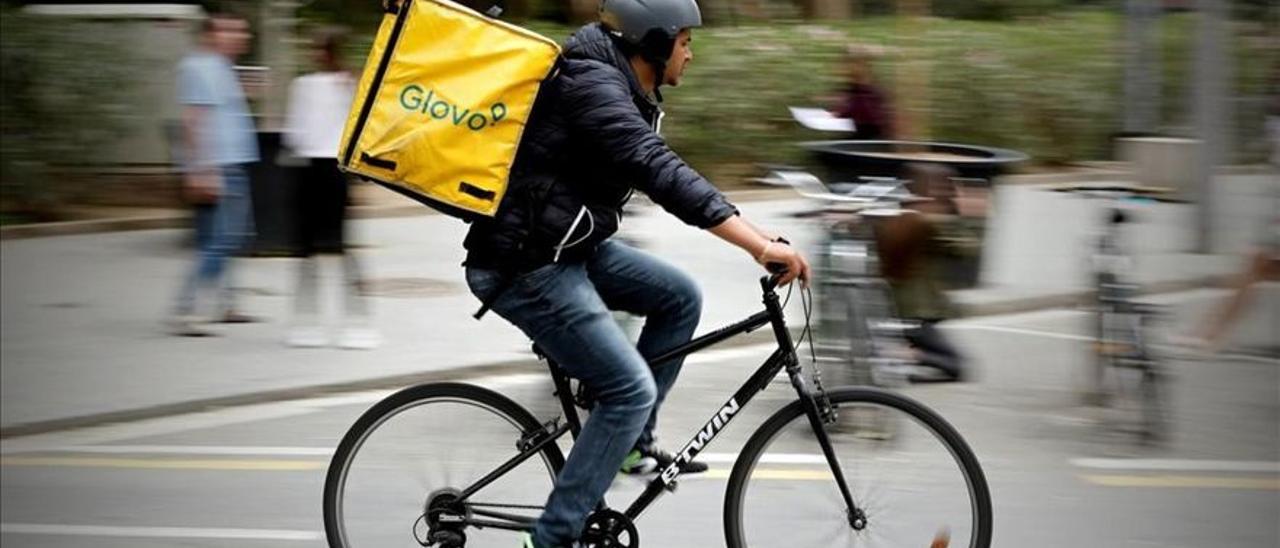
{"x": 844, "y": 397}
{"x": 1154, "y": 414}
{"x": 405, "y": 399}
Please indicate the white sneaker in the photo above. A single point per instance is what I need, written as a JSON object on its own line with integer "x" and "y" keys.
{"x": 307, "y": 337}
{"x": 359, "y": 338}
{"x": 187, "y": 326}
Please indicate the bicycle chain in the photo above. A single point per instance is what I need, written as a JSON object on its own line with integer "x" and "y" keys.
{"x": 500, "y": 505}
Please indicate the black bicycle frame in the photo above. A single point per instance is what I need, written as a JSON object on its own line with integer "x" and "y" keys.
{"x": 783, "y": 357}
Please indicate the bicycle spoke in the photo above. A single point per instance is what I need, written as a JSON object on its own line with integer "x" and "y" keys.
{"x": 907, "y": 488}
{"x": 423, "y": 454}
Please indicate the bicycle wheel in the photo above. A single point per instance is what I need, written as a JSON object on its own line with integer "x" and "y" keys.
{"x": 1154, "y": 415}
{"x": 425, "y": 442}
{"x": 921, "y": 487}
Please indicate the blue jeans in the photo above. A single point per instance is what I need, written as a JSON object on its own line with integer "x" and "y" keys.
{"x": 222, "y": 230}
{"x": 564, "y": 308}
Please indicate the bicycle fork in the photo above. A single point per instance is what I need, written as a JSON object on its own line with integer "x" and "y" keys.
{"x": 814, "y": 408}
{"x": 818, "y": 409}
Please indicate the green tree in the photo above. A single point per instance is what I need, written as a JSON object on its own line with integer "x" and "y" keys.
{"x": 63, "y": 97}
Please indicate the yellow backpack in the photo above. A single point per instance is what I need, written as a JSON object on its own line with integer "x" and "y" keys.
{"x": 442, "y": 104}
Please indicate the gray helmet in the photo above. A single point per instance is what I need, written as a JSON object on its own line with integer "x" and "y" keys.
{"x": 638, "y": 22}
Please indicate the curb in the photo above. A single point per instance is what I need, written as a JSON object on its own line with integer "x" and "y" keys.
{"x": 1082, "y": 297}
{"x": 179, "y": 218}
{"x": 529, "y": 365}
{"x": 265, "y": 396}
{"x": 1011, "y": 306}
{"x": 69, "y": 228}
{"x": 172, "y": 220}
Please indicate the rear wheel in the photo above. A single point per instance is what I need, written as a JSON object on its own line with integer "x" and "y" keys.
{"x": 397, "y": 475}
{"x": 920, "y": 487}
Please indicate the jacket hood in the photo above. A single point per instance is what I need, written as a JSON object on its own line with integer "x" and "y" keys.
{"x": 593, "y": 43}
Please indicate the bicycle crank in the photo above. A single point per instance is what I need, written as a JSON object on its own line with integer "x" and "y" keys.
{"x": 609, "y": 529}
{"x": 443, "y": 516}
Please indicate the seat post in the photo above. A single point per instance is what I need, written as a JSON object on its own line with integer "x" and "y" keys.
{"x": 563, "y": 392}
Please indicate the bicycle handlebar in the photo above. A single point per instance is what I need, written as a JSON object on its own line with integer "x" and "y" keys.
{"x": 770, "y": 282}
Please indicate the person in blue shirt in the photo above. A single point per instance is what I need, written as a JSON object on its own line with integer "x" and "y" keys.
{"x": 218, "y": 143}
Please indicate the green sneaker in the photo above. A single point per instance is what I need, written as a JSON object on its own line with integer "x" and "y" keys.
{"x": 648, "y": 460}
{"x": 526, "y": 540}
{"x": 638, "y": 463}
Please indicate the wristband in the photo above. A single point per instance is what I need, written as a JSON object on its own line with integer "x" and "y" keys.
{"x": 765, "y": 251}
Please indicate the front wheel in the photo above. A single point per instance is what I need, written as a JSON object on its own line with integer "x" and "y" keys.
{"x": 921, "y": 487}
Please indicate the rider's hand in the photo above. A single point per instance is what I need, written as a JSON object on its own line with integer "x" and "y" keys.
{"x": 780, "y": 252}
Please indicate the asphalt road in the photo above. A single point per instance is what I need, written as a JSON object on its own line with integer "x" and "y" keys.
{"x": 1060, "y": 475}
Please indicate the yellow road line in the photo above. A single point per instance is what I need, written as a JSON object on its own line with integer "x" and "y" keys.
{"x": 1186, "y": 482}
{"x": 166, "y": 464}
{"x": 790, "y": 474}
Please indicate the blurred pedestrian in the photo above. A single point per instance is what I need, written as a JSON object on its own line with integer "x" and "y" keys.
{"x": 913, "y": 248}
{"x": 219, "y": 141}
{"x": 861, "y": 100}
{"x": 1262, "y": 262}
{"x": 314, "y": 119}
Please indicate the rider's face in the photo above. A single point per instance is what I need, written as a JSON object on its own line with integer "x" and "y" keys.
{"x": 681, "y": 55}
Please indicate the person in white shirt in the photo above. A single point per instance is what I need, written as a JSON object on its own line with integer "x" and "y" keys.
{"x": 317, "y": 110}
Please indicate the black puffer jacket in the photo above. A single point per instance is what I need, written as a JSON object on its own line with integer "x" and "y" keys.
{"x": 590, "y": 141}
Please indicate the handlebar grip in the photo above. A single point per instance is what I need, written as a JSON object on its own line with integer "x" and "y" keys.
{"x": 777, "y": 270}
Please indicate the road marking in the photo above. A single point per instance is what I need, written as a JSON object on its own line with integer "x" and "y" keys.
{"x": 200, "y": 450}
{"x": 771, "y": 474}
{"x": 1183, "y": 465}
{"x": 1020, "y": 331}
{"x": 761, "y": 351}
{"x": 154, "y": 427}
{"x": 158, "y": 532}
{"x": 1185, "y": 482}
{"x": 767, "y": 458}
{"x": 241, "y": 450}
{"x": 166, "y": 464}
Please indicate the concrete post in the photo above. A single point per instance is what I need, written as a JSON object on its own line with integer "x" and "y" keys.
{"x": 1211, "y": 80}
{"x": 278, "y": 36}
{"x": 1141, "y": 66}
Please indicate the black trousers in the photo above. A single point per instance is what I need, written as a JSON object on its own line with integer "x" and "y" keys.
{"x": 321, "y": 207}
{"x": 936, "y": 351}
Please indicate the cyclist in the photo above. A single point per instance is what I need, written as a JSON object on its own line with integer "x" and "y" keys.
{"x": 546, "y": 264}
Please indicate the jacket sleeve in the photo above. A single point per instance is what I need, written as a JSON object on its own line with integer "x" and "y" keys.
{"x": 598, "y": 103}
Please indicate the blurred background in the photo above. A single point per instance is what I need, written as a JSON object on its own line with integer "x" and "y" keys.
{"x": 1080, "y": 164}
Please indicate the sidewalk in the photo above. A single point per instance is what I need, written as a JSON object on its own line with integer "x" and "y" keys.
{"x": 81, "y": 341}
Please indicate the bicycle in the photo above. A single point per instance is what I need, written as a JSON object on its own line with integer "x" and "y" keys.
{"x": 1129, "y": 375}
{"x": 490, "y": 492}
{"x": 860, "y": 339}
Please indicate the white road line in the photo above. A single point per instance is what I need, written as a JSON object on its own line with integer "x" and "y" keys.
{"x": 158, "y": 532}
{"x": 1179, "y": 465}
{"x": 153, "y": 427}
{"x": 768, "y": 458}
{"x": 201, "y": 450}
{"x": 1020, "y": 331}
{"x": 495, "y": 382}
{"x": 760, "y": 351}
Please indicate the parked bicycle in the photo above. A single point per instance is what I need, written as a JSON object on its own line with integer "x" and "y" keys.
{"x": 450, "y": 465}
{"x": 1129, "y": 377}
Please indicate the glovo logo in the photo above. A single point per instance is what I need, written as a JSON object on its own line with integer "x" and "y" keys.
{"x": 416, "y": 99}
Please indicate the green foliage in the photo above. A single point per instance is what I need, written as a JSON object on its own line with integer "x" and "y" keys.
{"x": 995, "y": 10}
{"x": 1047, "y": 86}
{"x": 64, "y": 93}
